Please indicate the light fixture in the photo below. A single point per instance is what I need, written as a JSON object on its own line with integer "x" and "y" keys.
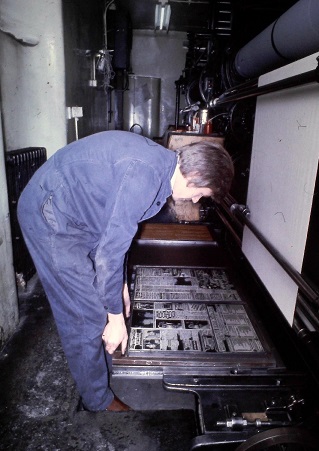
{"x": 162, "y": 15}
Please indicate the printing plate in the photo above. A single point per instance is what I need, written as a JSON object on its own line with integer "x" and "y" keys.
{"x": 185, "y": 317}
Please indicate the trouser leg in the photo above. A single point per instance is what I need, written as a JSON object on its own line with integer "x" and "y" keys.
{"x": 78, "y": 313}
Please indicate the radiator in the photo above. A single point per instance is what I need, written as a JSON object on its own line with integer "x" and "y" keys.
{"x": 21, "y": 164}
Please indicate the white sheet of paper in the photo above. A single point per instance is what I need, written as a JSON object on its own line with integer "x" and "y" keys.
{"x": 282, "y": 177}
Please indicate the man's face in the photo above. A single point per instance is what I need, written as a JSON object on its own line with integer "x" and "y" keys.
{"x": 184, "y": 189}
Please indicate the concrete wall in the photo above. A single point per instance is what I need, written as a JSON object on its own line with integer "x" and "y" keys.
{"x": 32, "y": 92}
{"x": 32, "y": 74}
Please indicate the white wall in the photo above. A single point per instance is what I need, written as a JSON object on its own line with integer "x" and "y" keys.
{"x": 282, "y": 179}
{"x": 32, "y": 74}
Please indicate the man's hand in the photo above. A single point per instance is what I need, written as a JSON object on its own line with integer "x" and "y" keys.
{"x": 115, "y": 333}
{"x": 127, "y": 301}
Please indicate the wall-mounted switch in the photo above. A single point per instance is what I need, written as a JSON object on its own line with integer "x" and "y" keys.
{"x": 74, "y": 111}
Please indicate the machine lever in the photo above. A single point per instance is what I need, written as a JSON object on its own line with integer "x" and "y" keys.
{"x": 240, "y": 423}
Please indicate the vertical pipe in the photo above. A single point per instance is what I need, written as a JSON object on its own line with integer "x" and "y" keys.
{"x": 9, "y": 315}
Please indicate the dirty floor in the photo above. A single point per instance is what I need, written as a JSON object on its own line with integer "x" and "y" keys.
{"x": 39, "y": 406}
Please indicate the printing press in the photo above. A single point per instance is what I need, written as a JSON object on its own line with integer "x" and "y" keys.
{"x": 222, "y": 306}
{"x": 224, "y": 296}
{"x": 203, "y": 322}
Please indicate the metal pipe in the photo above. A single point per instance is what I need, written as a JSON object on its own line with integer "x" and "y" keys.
{"x": 292, "y": 36}
{"x": 226, "y": 205}
{"x": 309, "y": 311}
{"x": 232, "y": 95}
{"x": 229, "y": 226}
{"x": 242, "y": 211}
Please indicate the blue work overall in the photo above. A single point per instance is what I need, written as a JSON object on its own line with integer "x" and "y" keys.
{"x": 79, "y": 214}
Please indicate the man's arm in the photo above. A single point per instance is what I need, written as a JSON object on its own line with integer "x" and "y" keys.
{"x": 135, "y": 195}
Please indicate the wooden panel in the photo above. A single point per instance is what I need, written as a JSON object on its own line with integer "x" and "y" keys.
{"x": 177, "y": 232}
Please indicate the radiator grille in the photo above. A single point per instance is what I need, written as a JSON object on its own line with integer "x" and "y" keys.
{"x": 21, "y": 164}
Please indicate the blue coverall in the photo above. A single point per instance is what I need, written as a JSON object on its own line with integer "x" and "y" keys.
{"x": 79, "y": 214}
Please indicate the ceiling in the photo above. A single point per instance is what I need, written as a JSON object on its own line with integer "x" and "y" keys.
{"x": 196, "y": 15}
{"x": 184, "y": 15}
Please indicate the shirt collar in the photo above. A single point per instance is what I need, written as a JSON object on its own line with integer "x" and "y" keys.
{"x": 174, "y": 176}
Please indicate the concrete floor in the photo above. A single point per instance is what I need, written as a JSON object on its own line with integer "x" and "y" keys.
{"x": 39, "y": 403}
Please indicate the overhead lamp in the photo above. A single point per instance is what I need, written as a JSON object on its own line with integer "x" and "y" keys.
{"x": 162, "y": 15}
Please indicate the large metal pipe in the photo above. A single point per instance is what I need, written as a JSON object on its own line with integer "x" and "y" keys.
{"x": 293, "y": 36}
{"x": 245, "y": 91}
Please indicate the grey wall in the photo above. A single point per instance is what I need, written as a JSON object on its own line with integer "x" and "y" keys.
{"x": 161, "y": 56}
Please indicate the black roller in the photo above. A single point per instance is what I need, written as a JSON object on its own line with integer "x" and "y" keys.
{"x": 293, "y": 36}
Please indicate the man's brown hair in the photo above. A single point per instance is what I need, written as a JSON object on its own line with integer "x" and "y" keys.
{"x": 207, "y": 164}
